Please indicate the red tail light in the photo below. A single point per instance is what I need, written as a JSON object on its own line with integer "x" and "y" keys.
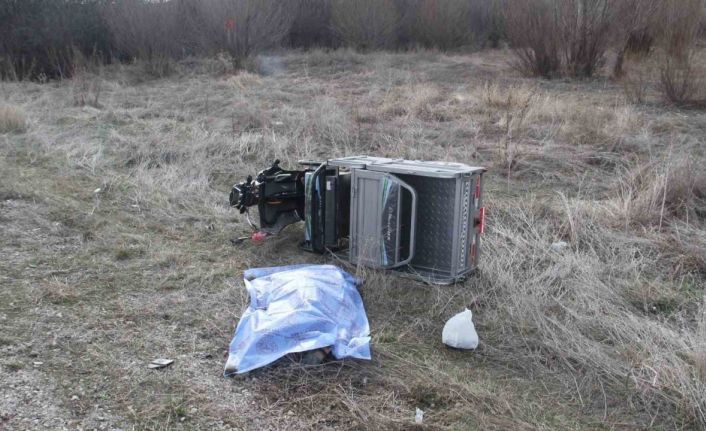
{"x": 481, "y": 220}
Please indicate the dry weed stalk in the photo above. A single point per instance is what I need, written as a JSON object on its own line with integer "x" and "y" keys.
{"x": 514, "y": 104}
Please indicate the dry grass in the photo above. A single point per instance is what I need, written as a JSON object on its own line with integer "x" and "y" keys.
{"x": 115, "y": 250}
{"x": 13, "y": 120}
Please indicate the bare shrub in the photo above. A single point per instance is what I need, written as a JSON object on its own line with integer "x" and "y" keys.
{"x": 143, "y": 30}
{"x": 12, "y": 120}
{"x": 635, "y": 28}
{"x": 532, "y": 32}
{"x": 558, "y": 36}
{"x": 585, "y": 29}
{"x": 682, "y": 80}
{"x": 165, "y": 31}
{"x": 366, "y": 24}
{"x": 311, "y": 26}
{"x": 38, "y": 39}
{"x": 444, "y": 24}
{"x": 494, "y": 23}
{"x": 681, "y": 84}
{"x": 244, "y": 27}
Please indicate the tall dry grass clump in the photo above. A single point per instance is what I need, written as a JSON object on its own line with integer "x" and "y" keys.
{"x": 656, "y": 193}
{"x": 12, "y": 120}
{"x": 366, "y": 24}
{"x": 558, "y": 37}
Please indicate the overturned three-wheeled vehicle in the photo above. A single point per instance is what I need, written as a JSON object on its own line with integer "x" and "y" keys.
{"x": 422, "y": 218}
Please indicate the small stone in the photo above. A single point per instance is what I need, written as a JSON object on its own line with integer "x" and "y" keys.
{"x": 75, "y": 398}
{"x": 559, "y": 246}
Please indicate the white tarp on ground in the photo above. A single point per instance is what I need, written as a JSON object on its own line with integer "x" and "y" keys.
{"x": 296, "y": 309}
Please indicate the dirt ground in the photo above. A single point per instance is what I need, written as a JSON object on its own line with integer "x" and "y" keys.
{"x": 115, "y": 248}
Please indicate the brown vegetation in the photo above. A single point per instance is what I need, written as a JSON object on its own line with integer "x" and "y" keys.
{"x": 682, "y": 74}
{"x": 114, "y": 249}
{"x": 366, "y": 24}
{"x": 12, "y": 119}
{"x": 559, "y": 36}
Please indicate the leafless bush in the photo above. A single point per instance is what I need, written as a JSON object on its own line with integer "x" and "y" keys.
{"x": 312, "y": 24}
{"x": 366, "y": 24}
{"x": 531, "y": 30}
{"x": 38, "y": 39}
{"x": 143, "y": 30}
{"x": 444, "y": 24}
{"x": 164, "y": 31}
{"x": 585, "y": 28}
{"x": 636, "y": 30}
{"x": 558, "y": 36}
{"x": 682, "y": 79}
{"x": 494, "y": 22}
{"x": 681, "y": 84}
{"x": 244, "y": 27}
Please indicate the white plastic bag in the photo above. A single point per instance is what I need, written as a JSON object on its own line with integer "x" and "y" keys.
{"x": 459, "y": 331}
